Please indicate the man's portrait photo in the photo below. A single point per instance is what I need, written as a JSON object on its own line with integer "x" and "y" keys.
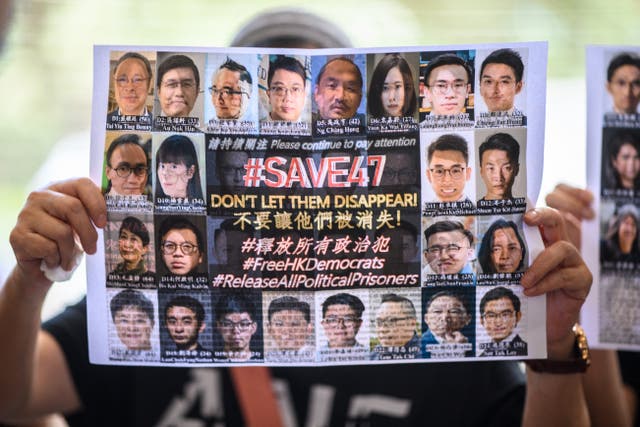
{"x": 178, "y": 85}
{"x": 186, "y": 323}
{"x": 127, "y": 165}
{"x": 396, "y": 326}
{"x": 232, "y": 87}
{"x": 341, "y": 322}
{"x": 502, "y": 174}
{"x": 131, "y": 83}
{"x": 181, "y": 245}
{"x": 623, "y": 83}
{"x": 338, "y": 89}
{"x": 449, "y": 248}
{"x": 448, "y": 79}
{"x": 238, "y": 326}
{"x": 448, "y": 167}
{"x": 501, "y": 81}
{"x": 500, "y": 313}
{"x": 289, "y": 327}
{"x": 448, "y": 319}
{"x": 133, "y": 329}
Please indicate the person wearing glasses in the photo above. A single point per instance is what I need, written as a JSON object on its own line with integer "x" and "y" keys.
{"x": 178, "y": 170}
{"x": 231, "y": 90}
{"x": 127, "y": 167}
{"x": 499, "y": 315}
{"x": 502, "y": 249}
{"x": 446, "y": 314}
{"x": 287, "y": 89}
{"x": 499, "y": 165}
{"x": 447, "y": 78}
{"x": 623, "y": 83}
{"x": 341, "y": 321}
{"x": 181, "y": 246}
{"x": 178, "y": 85}
{"x": 501, "y": 80}
{"x": 133, "y": 244}
{"x": 236, "y": 323}
{"x": 132, "y": 79}
{"x": 449, "y": 248}
{"x": 448, "y": 168}
{"x": 395, "y": 325}
{"x": 290, "y": 329}
{"x": 184, "y": 319}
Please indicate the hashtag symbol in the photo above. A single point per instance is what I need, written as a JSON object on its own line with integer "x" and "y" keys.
{"x": 249, "y": 263}
{"x": 217, "y": 281}
{"x": 254, "y": 168}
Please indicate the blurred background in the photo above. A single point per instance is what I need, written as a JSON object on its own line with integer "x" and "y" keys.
{"x": 46, "y": 65}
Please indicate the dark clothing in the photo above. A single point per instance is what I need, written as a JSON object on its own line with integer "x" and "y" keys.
{"x": 455, "y": 394}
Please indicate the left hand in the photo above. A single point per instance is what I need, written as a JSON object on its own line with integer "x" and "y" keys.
{"x": 561, "y": 274}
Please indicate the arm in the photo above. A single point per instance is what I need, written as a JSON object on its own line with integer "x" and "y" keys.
{"x": 603, "y": 386}
{"x": 560, "y": 273}
{"x": 35, "y": 376}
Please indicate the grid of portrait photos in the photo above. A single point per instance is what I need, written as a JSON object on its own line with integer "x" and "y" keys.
{"x": 614, "y": 173}
{"x": 291, "y": 207}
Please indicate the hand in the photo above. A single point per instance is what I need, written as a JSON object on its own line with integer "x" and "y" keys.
{"x": 574, "y": 205}
{"x": 49, "y": 222}
{"x": 561, "y": 274}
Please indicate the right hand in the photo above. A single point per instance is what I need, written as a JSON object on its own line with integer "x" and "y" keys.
{"x": 574, "y": 204}
{"x": 49, "y": 221}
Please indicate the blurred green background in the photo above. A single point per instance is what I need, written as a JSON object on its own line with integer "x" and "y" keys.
{"x": 46, "y": 65}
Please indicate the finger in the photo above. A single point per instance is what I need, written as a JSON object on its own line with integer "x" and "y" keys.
{"x": 573, "y": 200}
{"x": 80, "y": 204}
{"x": 89, "y": 194}
{"x": 558, "y": 267}
{"x": 38, "y": 235}
{"x": 549, "y": 222}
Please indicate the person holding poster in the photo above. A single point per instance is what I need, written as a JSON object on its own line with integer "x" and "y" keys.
{"x": 623, "y": 83}
{"x": 132, "y": 79}
{"x": 499, "y": 315}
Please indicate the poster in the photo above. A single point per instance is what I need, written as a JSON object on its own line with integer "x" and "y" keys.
{"x": 611, "y": 313}
{"x": 302, "y": 207}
